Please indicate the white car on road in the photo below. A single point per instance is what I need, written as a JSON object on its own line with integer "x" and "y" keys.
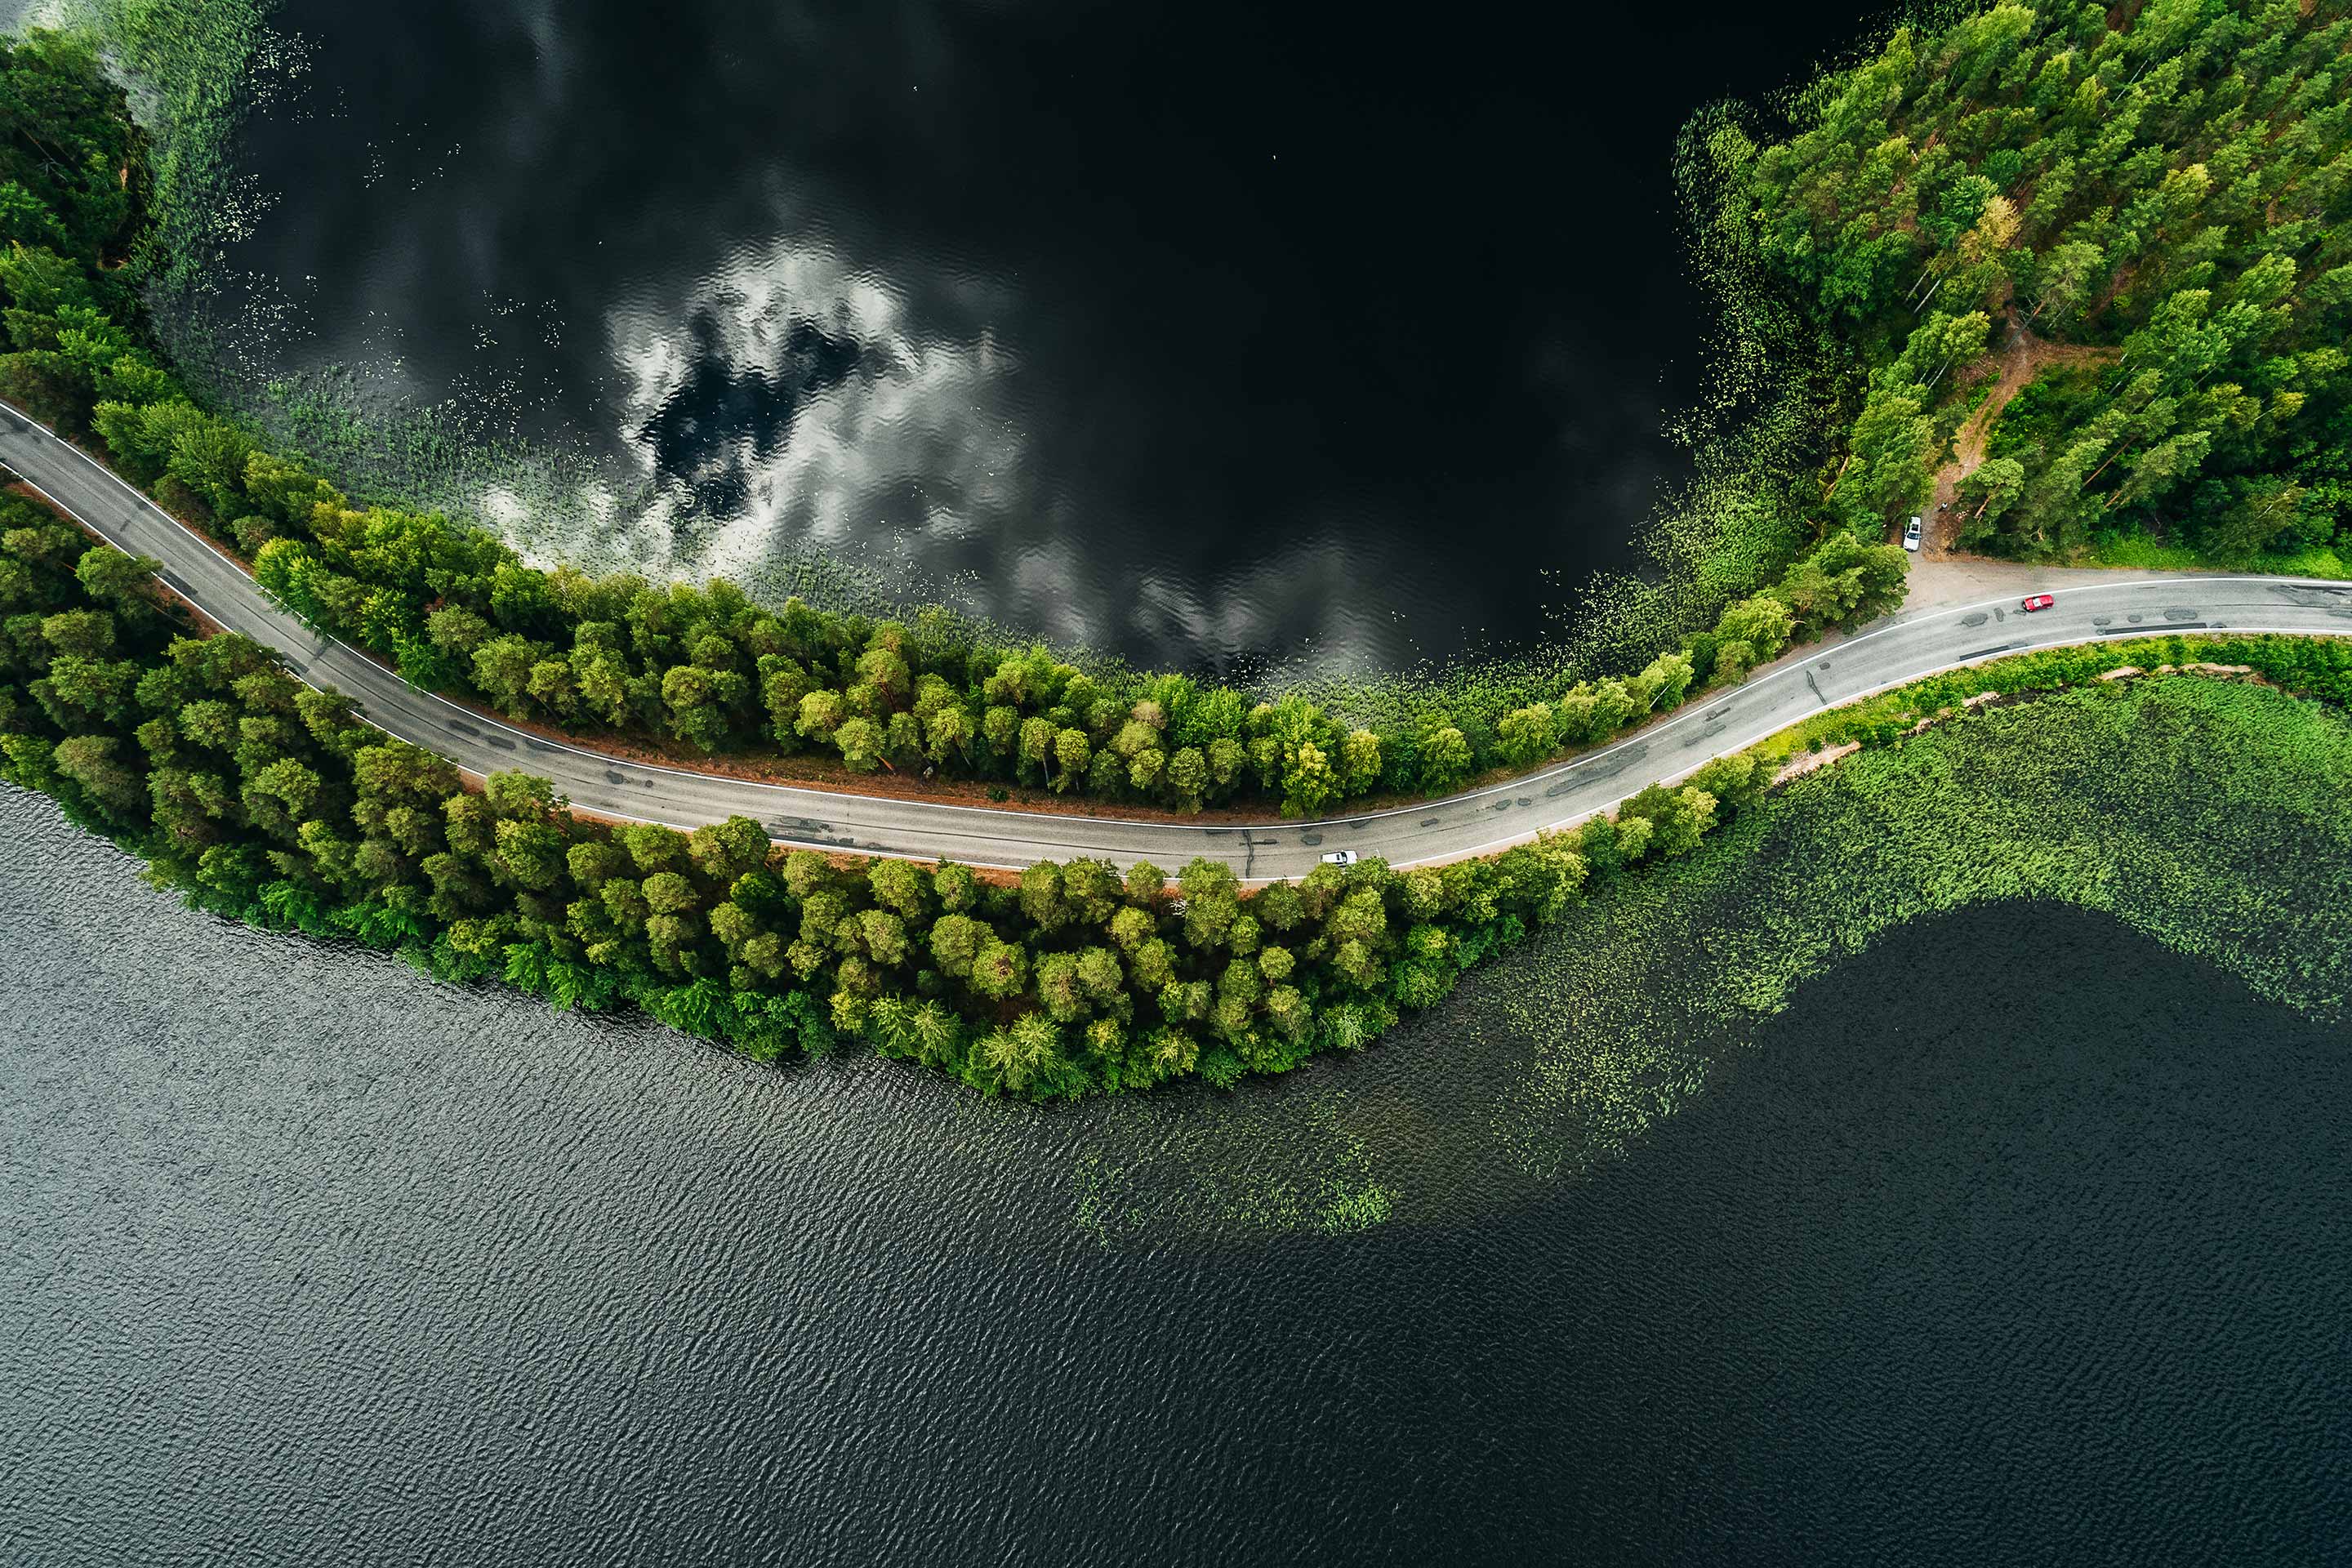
{"x": 1911, "y": 534}
{"x": 1341, "y": 858}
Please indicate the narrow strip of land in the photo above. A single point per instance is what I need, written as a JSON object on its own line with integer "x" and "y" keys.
{"x": 1901, "y": 649}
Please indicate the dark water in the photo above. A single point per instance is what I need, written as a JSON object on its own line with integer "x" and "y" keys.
{"x": 2017, "y": 1240}
{"x": 1336, "y": 333}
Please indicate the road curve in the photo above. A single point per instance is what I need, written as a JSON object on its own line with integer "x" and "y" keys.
{"x": 1902, "y": 649}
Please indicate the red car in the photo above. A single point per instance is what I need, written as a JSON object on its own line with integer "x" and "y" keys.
{"x": 2038, "y": 601}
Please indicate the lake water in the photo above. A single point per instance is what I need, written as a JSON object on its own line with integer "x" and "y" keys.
{"x": 1332, "y": 336}
{"x": 2018, "y": 1239}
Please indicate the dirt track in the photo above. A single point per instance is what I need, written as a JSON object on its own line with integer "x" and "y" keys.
{"x": 2018, "y": 361}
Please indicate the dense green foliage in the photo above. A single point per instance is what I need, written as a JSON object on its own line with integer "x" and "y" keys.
{"x": 266, "y": 799}
{"x": 73, "y": 182}
{"x": 710, "y": 670}
{"x": 2168, "y": 186}
{"x": 73, "y": 169}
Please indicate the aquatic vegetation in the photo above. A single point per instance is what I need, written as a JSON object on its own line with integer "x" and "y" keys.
{"x": 201, "y": 65}
{"x": 2169, "y": 803}
{"x": 1318, "y": 1175}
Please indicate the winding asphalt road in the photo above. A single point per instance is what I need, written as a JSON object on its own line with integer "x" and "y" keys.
{"x": 1887, "y": 653}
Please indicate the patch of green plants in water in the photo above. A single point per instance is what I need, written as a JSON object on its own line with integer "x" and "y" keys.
{"x": 197, "y": 69}
{"x": 1317, "y": 1177}
{"x": 195, "y": 64}
{"x": 2213, "y": 814}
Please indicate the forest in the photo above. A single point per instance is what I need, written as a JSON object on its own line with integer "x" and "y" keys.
{"x": 2151, "y": 203}
{"x": 262, "y": 798}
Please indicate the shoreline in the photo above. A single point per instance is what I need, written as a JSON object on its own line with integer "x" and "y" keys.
{"x": 1933, "y": 587}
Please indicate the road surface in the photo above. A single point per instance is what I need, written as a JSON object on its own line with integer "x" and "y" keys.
{"x": 1483, "y": 821}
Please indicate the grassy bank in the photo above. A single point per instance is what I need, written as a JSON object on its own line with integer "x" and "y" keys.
{"x": 2140, "y": 553}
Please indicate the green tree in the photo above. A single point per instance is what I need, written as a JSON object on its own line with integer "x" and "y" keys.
{"x": 1071, "y": 754}
{"x": 1525, "y": 734}
{"x": 1038, "y": 746}
{"x": 110, "y": 576}
{"x": 96, "y": 764}
{"x": 999, "y": 970}
{"x": 1445, "y": 760}
{"x": 820, "y": 714}
{"x": 1989, "y": 491}
{"x": 862, "y": 744}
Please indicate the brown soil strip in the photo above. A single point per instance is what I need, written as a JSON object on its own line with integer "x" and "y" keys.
{"x": 1812, "y": 762}
{"x": 2018, "y": 361}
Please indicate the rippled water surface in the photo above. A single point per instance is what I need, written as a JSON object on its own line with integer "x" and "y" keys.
{"x": 1196, "y": 332}
{"x": 2019, "y": 1239}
